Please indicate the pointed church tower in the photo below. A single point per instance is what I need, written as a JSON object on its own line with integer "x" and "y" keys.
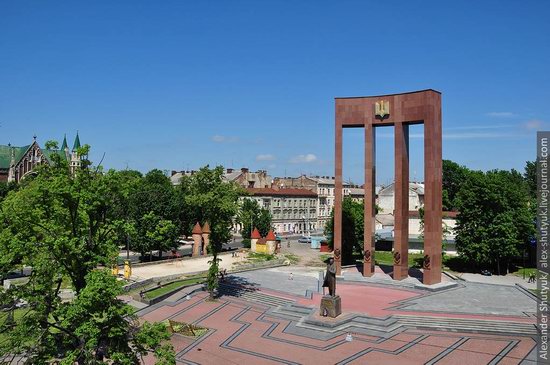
{"x": 75, "y": 161}
{"x": 76, "y": 144}
{"x": 11, "y": 172}
{"x": 65, "y": 148}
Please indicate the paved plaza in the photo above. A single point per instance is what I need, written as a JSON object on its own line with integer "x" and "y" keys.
{"x": 262, "y": 317}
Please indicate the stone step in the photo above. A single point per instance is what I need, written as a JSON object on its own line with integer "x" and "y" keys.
{"x": 356, "y": 327}
{"x": 468, "y": 324}
{"x": 259, "y": 299}
{"x": 246, "y": 294}
{"x": 384, "y": 327}
{"x": 254, "y": 296}
{"x": 295, "y": 311}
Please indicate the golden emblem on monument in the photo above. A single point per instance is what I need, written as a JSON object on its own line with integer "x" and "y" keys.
{"x": 382, "y": 108}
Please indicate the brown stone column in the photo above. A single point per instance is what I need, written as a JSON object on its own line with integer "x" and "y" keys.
{"x": 401, "y": 203}
{"x": 433, "y": 191}
{"x": 370, "y": 203}
{"x": 337, "y": 234}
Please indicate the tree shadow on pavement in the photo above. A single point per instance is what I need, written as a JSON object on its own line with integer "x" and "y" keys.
{"x": 236, "y": 286}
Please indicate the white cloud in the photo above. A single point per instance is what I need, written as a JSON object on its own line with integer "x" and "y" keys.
{"x": 480, "y": 135}
{"x": 501, "y": 114}
{"x": 266, "y": 157}
{"x": 481, "y": 126}
{"x": 308, "y": 158}
{"x": 223, "y": 139}
{"x": 465, "y": 135}
{"x": 533, "y": 124}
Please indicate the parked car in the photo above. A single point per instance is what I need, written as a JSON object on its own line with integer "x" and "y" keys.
{"x": 304, "y": 239}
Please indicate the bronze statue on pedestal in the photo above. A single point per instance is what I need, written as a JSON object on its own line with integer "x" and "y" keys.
{"x": 330, "y": 277}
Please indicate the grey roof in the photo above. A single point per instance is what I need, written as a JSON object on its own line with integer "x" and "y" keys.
{"x": 413, "y": 186}
{"x": 357, "y": 191}
{"x": 325, "y": 180}
{"x": 232, "y": 176}
{"x": 386, "y": 219}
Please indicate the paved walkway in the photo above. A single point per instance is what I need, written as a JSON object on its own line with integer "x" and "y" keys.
{"x": 269, "y": 321}
{"x": 184, "y": 266}
{"x": 509, "y": 279}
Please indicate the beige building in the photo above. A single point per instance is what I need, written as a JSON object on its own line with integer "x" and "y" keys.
{"x": 323, "y": 186}
{"x": 293, "y": 210}
{"x": 243, "y": 177}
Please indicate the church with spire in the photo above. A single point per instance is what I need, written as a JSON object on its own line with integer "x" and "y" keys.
{"x": 18, "y": 162}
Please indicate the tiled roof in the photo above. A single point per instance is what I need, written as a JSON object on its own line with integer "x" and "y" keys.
{"x": 5, "y": 155}
{"x": 281, "y": 192}
{"x": 197, "y": 229}
{"x": 206, "y": 227}
{"x": 270, "y": 236}
{"x": 255, "y": 234}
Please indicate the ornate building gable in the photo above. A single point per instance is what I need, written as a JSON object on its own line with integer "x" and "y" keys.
{"x": 18, "y": 162}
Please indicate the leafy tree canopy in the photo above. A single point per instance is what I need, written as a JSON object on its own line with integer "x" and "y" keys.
{"x": 453, "y": 177}
{"x": 352, "y": 228}
{"x": 495, "y": 220}
{"x": 530, "y": 176}
{"x": 251, "y": 214}
{"x": 64, "y": 226}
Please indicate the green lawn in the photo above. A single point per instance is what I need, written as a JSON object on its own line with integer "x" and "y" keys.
{"x": 259, "y": 257}
{"x": 294, "y": 259}
{"x": 17, "y": 314}
{"x": 386, "y": 258}
{"x": 174, "y": 285}
{"x": 525, "y": 270}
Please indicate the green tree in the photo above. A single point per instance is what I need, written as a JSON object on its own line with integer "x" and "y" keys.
{"x": 251, "y": 214}
{"x": 453, "y": 177}
{"x": 264, "y": 220}
{"x": 530, "y": 176}
{"x": 352, "y": 228}
{"x": 206, "y": 197}
{"x": 6, "y": 187}
{"x": 495, "y": 220}
{"x": 63, "y": 225}
{"x": 152, "y": 200}
{"x": 127, "y": 181}
{"x": 162, "y": 233}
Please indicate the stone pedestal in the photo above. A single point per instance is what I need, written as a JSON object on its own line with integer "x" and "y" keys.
{"x": 330, "y": 306}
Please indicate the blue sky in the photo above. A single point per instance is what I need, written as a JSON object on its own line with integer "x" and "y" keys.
{"x": 179, "y": 84}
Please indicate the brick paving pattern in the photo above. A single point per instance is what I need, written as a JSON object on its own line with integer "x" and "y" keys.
{"x": 244, "y": 328}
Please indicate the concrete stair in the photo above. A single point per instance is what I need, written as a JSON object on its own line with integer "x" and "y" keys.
{"x": 387, "y": 326}
{"x": 468, "y": 325}
{"x": 253, "y": 295}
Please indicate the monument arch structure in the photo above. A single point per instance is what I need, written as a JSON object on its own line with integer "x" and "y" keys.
{"x": 399, "y": 111}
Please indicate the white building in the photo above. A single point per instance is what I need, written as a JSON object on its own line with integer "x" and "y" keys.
{"x": 386, "y": 198}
